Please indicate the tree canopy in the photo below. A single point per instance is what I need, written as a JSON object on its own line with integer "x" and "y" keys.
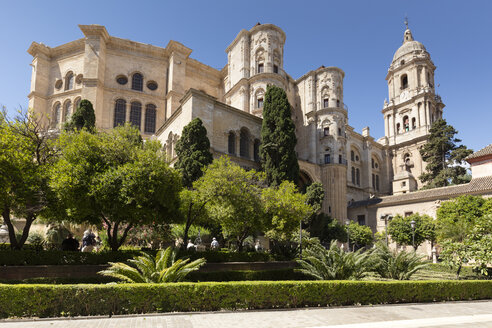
{"x": 25, "y": 154}
{"x": 116, "y": 179}
{"x": 400, "y": 229}
{"x": 83, "y": 117}
{"x": 193, "y": 150}
{"x": 359, "y": 235}
{"x": 443, "y": 157}
{"x": 277, "y": 151}
{"x": 234, "y": 198}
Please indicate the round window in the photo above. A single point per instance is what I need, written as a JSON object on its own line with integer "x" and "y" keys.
{"x": 152, "y": 85}
{"x": 376, "y": 165}
{"x": 122, "y": 80}
{"x": 58, "y": 84}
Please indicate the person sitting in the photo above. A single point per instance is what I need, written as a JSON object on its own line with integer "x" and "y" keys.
{"x": 70, "y": 244}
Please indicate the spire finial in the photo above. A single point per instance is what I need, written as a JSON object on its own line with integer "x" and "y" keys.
{"x": 406, "y": 21}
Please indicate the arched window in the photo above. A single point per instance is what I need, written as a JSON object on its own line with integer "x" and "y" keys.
{"x": 377, "y": 182}
{"x": 231, "y": 143}
{"x": 404, "y": 81}
{"x": 372, "y": 162}
{"x": 244, "y": 143}
{"x": 327, "y": 158}
{"x": 56, "y": 114}
{"x": 397, "y": 128}
{"x": 357, "y": 175}
{"x": 373, "y": 181}
{"x": 352, "y": 155}
{"x": 76, "y": 104}
{"x": 260, "y": 59}
{"x": 353, "y": 175}
{"x": 119, "y": 112}
{"x": 150, "y": 114}
{"x": 414, "y": 123}
{"x": 137, "y": 82}
{"x": 260, "y": 93}
{"x": 406, "y": 124}
{"x": 256, "y": 150}
{"x": 136, "y": 114}
{"x": 67, "y": 111}
{"x": 69, "y": 81}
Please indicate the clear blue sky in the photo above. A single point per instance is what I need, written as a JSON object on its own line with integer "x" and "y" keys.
{"x": 360, "y": 37}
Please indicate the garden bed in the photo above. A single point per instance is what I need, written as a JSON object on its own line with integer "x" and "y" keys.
{"x": 77, "y": 300}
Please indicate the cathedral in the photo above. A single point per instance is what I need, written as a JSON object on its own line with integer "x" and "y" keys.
{"x": 160, "y": 90}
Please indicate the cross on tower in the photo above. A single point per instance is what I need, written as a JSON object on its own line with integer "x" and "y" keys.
{"x": 406, "y": 22}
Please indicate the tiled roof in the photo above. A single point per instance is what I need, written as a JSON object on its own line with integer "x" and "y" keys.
{"x": 475, "y": 186}
{"x": 487, "y": 150}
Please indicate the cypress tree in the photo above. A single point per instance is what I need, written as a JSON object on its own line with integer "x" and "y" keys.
{"x": 84, "y": 117}
{"x": 278, "y": 156}
{"x": 193, "y": 150}
{"x": 443, "y": 157}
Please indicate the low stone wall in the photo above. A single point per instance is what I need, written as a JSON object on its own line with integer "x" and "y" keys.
{"x": 84, "y": 271}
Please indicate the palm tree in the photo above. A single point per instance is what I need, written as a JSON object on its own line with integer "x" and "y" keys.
{"x": 394, "y": 265}
{"x": 147, "y": 269}
{"x": 334, "y": 263}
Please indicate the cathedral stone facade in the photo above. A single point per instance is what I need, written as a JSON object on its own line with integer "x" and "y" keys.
{"x": 160, "y": 90}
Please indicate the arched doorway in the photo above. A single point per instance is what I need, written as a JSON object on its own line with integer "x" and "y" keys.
{"x": 304, "y": 181}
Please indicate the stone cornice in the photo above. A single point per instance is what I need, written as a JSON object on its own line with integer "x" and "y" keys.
{"x": 174, "y": 46}
{"x": 138, "y": 47}
{"x": 37, "y": 49}
{"x": 241, "y": 33}
{"x": 239, "y": 84}
{"x": 95, "y": 30}
{"x": 319, "y": 70}
{"x": 205, "y": 68}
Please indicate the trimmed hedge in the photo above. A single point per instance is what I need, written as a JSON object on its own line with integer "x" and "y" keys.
{"x": 76, "y": 300}
{"x": 247, "y": 275}
{"x": 55, "y": 257}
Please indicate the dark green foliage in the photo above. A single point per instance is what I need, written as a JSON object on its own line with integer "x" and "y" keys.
{"x": 400, "y": 229}
{"x": 359, "y": 235}
{"x": 193, "y": 150}
{"x": 83, "y": 118}
{"x": 277, "y": 151}
{"x": 66, "y": 300}
{"x": 396, "y": 265}
{"x": 326, "y": 229}
{"x": 334, "y": 263}
{"x": 29, "y": 256}
{"x": 441, "y": 153}
{"x": 315, "y": 194}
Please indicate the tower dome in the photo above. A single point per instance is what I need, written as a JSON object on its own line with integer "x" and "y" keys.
{"x": 409, "y": 46}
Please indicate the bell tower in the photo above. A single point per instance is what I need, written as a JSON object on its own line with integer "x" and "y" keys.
{"x": 412, "y": 108}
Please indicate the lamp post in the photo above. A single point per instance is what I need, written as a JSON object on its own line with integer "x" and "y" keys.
{"x": 412, "y": 224}
{"x": 348, "y": 234}
{"x": 300, "y": 240}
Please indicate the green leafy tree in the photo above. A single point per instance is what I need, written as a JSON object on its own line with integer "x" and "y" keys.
{"x": 457, "y": 217}
{"x": 284, "y": 208}
{"x": 334, "y": 263}
{"x": 234, "y": 198}
{"x": 83, "y": 118}
{"x": 164, "y": 268}
{"x": 396, "y": 265}
{"x": 193, "y": 150}
{"x": 277, "y": 151}
{"x": 116, "y": 179}
{"x": 463, "y": 231}
{"x": 314, "y": 196}
{"x": 327, "y": 229}
{"x": 443, "y": 157}
{"x": 400, "y": 229}
{"x": 26, "y": 154}
{"x": 360, "y": 235}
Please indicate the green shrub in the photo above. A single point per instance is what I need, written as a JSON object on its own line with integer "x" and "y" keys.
{"x": 147, "y": 269}
{"x": 112, "y": 299}
{"x": 396, "y": 265}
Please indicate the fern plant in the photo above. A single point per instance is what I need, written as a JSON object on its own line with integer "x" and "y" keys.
{"x": 147, "y": 269}
{"x": 334, "y": 263}
{"x": 394, "y": 265}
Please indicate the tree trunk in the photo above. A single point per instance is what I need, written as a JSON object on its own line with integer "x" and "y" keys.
{"x": 14, "y": 243}
{"x": 189, "y": 220}
{"x": 458, "y": 272}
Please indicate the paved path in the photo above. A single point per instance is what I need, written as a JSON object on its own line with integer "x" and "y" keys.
{"x": 446, "y": 315}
